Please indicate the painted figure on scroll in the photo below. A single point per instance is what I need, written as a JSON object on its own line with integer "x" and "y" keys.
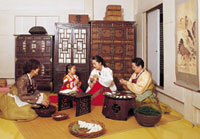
{"x": 71, "y": 81}
{"x": 100, "y": 81}
{"x": 16, "y": 105}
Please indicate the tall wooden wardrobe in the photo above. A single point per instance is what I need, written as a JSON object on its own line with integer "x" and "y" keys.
{"x": 72, "y": 45}
{"x": 115, "y": 42}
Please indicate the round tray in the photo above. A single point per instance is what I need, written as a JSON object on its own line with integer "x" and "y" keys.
{"x": 60, "y": 116}
{"x": 75, "y": 130}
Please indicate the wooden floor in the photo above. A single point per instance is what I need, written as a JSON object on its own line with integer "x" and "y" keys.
{"x": 50, "y": 129}
{"x": 46, "y": 128}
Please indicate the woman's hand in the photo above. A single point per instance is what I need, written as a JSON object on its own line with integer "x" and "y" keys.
{"x": 45, "y": 102}
{"x": 91, "y": 79}
{"x": 93, "y": 83}
{"x": 96, "y": 77}
{"x": 123, "y": 82}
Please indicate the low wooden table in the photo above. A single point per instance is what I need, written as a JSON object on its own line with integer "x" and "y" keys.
{"x": 118, "y": 108}
{"x": 83, "y": 102}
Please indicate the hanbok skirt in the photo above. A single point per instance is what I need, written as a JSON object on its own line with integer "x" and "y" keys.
{"x": 97, "y": 92}
{"x": 11, "y": 111}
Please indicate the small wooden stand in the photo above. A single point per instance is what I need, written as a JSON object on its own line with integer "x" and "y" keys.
{"x": 83, "y": 102}
{"x": 117, "y": 108}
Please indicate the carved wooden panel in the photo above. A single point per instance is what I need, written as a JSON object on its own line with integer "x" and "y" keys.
{"x": 83, "y": 106}
{"x": 79, "y": 43}
{"x": 64, "y": 45}
{"x": 115, "y": 42}
{"x": 35, "y": 47}
{"x": 72, "y": 45}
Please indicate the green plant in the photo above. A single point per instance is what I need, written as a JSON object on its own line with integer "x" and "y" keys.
{"x": 147, "y": 110}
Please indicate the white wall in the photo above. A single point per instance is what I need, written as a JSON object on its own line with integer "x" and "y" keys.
{"x": 182, "y": 100}
{"x": 41, "y": 5}
{"x": 7, "y": 48}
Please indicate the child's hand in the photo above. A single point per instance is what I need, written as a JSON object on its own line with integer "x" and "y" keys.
{"x": 79, "y": 84}
{"x": 76, "y": 81}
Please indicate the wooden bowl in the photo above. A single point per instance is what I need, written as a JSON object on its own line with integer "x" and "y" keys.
{"x": 60, "y": 116}
{"x": 45, "y": 112}
{"x": 147, "y": 120}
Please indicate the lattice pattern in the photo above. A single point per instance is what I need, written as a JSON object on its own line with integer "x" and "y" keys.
{"x": 79, "y": 49}
{"x": 65, "y": 45}
{"x": 72, "y": 45}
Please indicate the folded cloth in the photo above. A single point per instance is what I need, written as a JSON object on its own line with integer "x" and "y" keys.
{"x": 22, "y": 103}
{"x": 66, "y": 91}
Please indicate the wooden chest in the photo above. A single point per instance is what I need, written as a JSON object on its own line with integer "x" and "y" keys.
{"x": 35, "y": 47}
{"x": 115, "y": 42}
{"x": 113, "y": 8}
{"x": 115, "y": 13}
{"x": 80, "y": 19}
{"x": 72, "y": 45}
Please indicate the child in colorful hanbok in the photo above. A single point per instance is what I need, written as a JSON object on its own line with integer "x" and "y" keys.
{"x": 71, "y": 81}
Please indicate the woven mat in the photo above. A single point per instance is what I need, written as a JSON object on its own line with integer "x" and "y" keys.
{"x": 51, "y": 129}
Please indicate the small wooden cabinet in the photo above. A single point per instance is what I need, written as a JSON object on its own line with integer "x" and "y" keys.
{"x": 72, "y": 45}
{"x": 37, "y": 47}
{"x": 115, "y": 42}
